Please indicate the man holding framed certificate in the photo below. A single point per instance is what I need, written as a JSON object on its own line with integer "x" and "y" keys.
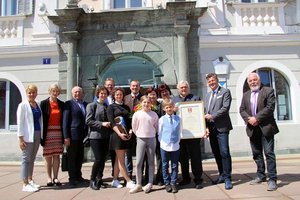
{"x": 189, "y": 147}
{"x": 217, "y": 105}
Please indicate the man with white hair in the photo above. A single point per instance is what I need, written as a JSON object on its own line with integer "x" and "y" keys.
{"x": 189, "y": 148}
{"x": 257, "y": 110}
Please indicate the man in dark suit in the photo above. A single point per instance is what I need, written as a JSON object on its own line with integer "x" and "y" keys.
{"x": 189, "y": 148}
{"x": 132, "y": 100}
{"x": 257, "y": 110}
{"x": 217, "y": 105}
{"x": 75, "y": 130}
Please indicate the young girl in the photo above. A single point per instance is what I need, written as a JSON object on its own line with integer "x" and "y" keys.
{"x": 144, "y": 125}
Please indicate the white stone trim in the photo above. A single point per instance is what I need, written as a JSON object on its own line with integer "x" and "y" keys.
{"x": 16, "y": 81}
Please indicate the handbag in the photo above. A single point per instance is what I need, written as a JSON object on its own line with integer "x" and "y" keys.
{"x": 64, "y": 161}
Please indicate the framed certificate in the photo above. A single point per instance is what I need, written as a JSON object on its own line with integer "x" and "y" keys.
{"x": 192, "y": 119}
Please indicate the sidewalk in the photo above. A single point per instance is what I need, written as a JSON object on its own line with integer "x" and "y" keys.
{"x": 288, "y": 167}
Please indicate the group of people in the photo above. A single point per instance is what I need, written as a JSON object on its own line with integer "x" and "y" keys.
{"x": 145, "y": 125}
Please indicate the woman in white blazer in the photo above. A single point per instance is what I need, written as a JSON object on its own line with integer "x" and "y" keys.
{"x": 30, "y": 132}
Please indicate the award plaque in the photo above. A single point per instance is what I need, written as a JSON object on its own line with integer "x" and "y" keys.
{"x": 192, "y": 119}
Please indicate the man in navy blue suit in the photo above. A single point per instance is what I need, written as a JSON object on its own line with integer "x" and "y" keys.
{"x": 217, "y": 105}
{"x": 75, "y": 130}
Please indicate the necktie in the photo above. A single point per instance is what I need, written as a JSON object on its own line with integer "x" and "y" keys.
{"x": 171, "y": 119}
{"x": 253, "y": 103}
{"x": 212, "y": 102}
{"x": 81, "y": 107}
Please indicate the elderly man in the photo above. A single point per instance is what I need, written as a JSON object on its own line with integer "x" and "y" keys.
{"x": 217, "y": 105}
{"x": 75, "y": 130}
{"x": 189, "y": 148}
{"x": 257, "y": 110}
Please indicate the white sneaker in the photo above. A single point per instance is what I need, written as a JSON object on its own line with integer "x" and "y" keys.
{"x": 29, "y": 188}
{"x": 116, "y": 184}
{"x": 136, "y": 189}
{"x": 32, "y": 183}
{"x": 130, "y": 184}
{"x": 147, "y": 188}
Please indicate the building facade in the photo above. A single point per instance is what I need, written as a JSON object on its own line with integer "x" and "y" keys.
{"x": 84, "y": 42}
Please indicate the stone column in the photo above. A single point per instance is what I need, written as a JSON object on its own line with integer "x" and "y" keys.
{"x": 71, "y": 69}
{"x": 183, "y": 63}
{"x": 72, "y": 37}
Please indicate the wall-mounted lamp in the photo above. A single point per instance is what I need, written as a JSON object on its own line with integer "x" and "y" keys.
{"x": 42, "y": 9}
{"x": 221, "y": 66}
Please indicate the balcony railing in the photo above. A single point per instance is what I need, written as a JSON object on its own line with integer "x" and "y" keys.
{"x": 11, "y": 30}
{"x": 259, "y": 18}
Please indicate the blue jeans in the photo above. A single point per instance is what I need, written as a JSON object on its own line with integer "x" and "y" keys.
{"x": 259, "y": 144}
{"x": 172, "y": 156}
{"x": 219, "y": 142}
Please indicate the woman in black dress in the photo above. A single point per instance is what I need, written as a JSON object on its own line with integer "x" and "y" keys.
{"x": 119, "y": 141}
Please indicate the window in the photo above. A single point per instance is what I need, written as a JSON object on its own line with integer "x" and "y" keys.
{"x": 274, "y": 79}
{"x": 8, "y": 7}
{"x": 127, "y": 3}
{"x": 10, "y": 97}
{"x": 128, "y": 68}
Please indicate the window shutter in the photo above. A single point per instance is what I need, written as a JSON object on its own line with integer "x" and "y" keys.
{"x": 25, "y": 7}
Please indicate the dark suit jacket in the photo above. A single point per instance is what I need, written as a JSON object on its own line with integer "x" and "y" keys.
{"x": 220, "y": 110}
{"x": 45, "y": 107}
{"x": 264, "y": 113}
{"x": 74, "y": 121}
{"x": 129, "y": 101}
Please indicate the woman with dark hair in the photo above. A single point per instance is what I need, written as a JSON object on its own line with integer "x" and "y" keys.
{"x": 120, "y": 140}
{"x": 164, "y": 92}
{"x": 99, "y": 134}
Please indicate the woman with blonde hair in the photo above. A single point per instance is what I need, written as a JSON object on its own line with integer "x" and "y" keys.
{"x": 52, "y": 142}
{"x": 30, "y": 132}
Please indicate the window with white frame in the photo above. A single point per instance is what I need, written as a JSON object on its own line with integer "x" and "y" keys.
{"x": 127, "y": 3}
{"x": 16, "y": 7}
{"x": 8, "y": 7}
{"x": 10, "y": 97}
{"x": 272, "y": 78}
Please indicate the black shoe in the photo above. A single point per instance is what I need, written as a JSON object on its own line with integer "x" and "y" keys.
{"x": 218, "y": 181}
{"x": 228, "y": 184}
{"x": 73, "y": 183}
{"x": 174, "y": 189}
{"x": 100, "y": 184}
{"x": 56, "y": 182}
{"x": 168, "y": 188}
{"x": 82, "y": 180}
{"x": 49, "y": 184}
{"x": 185, "y": 182}
{"x": 198, "y": 185}
{"x": 93, "y": 185}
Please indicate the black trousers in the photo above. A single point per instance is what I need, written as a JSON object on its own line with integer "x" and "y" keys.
{"x": 75, "y": 159}
{"x": 191, "y": 149}
{"x": 100, "y": 150}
